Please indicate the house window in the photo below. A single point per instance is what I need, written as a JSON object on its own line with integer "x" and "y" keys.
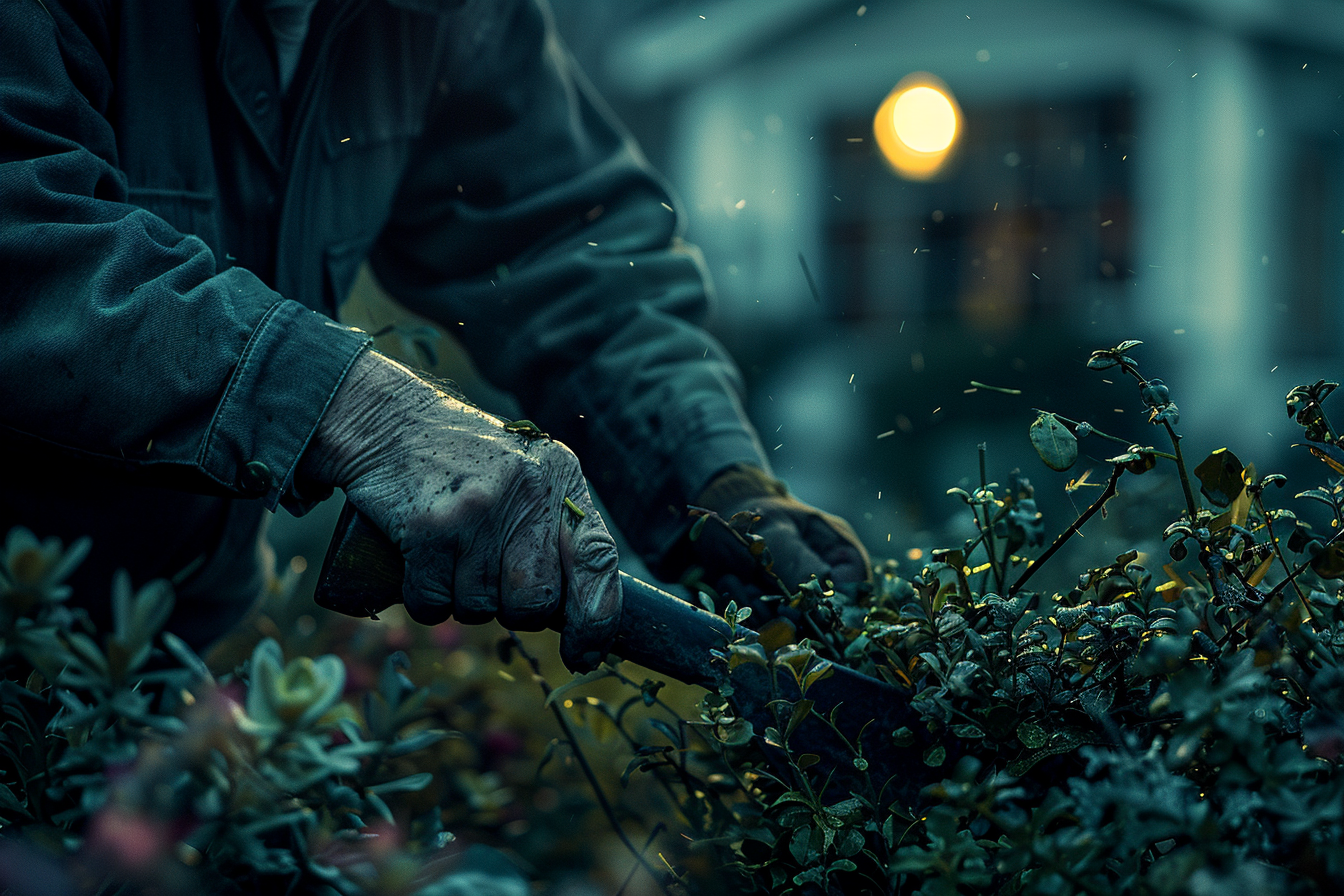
{"x": 1033, "y": 218}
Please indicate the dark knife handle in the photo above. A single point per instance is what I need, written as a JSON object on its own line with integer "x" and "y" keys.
{"x": 363, "y": 574}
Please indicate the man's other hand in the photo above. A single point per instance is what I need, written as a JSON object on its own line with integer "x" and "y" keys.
{"x": 803, "y": 541}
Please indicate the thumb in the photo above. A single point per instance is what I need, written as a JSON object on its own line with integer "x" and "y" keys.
{"x": 592, "y": 598}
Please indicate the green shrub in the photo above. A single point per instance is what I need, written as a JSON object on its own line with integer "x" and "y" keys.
{"x": 1153, "y": 725}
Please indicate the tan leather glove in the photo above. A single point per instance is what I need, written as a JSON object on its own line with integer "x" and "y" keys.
{"x": 802, "y": 540}
{"x": 494, "y": 520}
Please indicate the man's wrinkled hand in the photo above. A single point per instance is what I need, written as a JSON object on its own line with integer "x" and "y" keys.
{"x": 494, "y": 520}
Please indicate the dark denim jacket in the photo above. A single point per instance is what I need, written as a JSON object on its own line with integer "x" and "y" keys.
{"x": 175, "y": 235}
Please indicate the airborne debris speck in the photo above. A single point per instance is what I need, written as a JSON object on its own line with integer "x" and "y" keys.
{"x": 890, "y": 432}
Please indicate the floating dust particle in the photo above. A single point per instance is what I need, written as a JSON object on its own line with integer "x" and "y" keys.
{"x": 1002, "y": 389}
{"x": 1274, "y": 368}
{"x": 1107, "y": 223}
{"x": 917, "y": 362}
{"x": 811, "y": 284}
{"x": 1119, "y": 410}
{"x": 740, "y": 204}
{"x": 345, "y": 139}
{"x": 853, "y": 139}
{"x": 890, "y": 432}
{"x": 851, "y": 377}
{"x": 591, "y": 243}
{"x": 779, "y": 446}
{"x": 914, "y": 554}
{"x": 936, "y": 410}
{"x": 879, "y": 496}
{"x": 666, "y": 206}
{"x": 505, "y": 675}
{"x": 864, "y": 9}
{"x": 969, "y": 391}
{"x": 1180, "y": 332}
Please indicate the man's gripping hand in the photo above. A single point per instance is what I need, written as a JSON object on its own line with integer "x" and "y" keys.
{"x": 494, "y": 520}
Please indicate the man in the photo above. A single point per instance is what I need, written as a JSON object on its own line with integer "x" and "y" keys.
{"x": 187, "y": 189}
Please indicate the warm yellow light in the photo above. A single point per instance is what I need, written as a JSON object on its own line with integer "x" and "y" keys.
{"x": 924, "y": 119}
{"x": 917, "y": 126}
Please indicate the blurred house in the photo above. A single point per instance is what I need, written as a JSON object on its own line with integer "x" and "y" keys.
{"x": 1167, "y": 170}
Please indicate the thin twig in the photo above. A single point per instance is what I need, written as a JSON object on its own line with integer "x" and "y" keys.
{"x": 1106, "y": 494}
{"x": 990, "y": 547}
{"x": 657, "y": 829}
{"x": 584, "y": 765}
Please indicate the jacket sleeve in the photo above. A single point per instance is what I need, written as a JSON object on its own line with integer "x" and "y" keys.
{"x": 533, "y": 229}
{"x": 124, "y": 346}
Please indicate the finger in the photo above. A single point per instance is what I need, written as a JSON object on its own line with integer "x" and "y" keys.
{"x": 836, "y": 542}
{"x": 532, "y": 572}
{"x": 795, "y": 562}
{"x": 427, "y": 590}
{"x": 593, "y": 602}
{"x": 476, "y": 584}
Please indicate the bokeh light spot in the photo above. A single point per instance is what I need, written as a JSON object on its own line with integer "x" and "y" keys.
{"x": 924, "y": 119}
{"x": 917, "y": 126}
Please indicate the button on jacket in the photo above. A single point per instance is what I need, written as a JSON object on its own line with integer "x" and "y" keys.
{"x": 176, "y": 232}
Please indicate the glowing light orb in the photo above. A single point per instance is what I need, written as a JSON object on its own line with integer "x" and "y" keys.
{"x": 917, "y": 126}
{"x": 924, "y": 119}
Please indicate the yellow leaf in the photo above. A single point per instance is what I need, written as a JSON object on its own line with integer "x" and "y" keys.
{"x": 1254, "y": 578}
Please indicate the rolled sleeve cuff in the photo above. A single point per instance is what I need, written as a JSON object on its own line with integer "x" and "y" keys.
{"x": 291, "y": 367}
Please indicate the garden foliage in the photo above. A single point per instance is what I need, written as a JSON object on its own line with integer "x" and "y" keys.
{"x": 1153, "y": 725}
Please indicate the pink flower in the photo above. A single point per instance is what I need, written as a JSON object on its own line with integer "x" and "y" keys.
{"x": 128, "y": 841}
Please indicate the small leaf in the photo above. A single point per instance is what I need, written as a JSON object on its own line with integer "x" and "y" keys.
{"x": 1221, "y": 477}
{"x": 1052, "y": 440}
{"x": 801, "y": 710}
{"x": 408, "y": 784}
{"x": 935, "y": 756}
{"x": 575, "y": 682}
